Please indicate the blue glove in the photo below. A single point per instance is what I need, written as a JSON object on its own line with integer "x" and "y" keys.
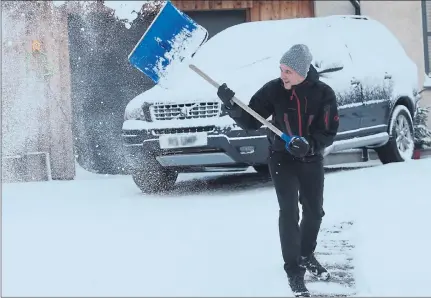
{"x": 297, "y": 146}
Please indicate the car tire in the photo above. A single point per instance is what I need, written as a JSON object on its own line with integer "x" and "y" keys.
{"x": 400, "y": 146}
{"x": 154, "y": 178}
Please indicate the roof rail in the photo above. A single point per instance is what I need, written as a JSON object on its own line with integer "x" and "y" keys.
{"x": 356, "y": 17}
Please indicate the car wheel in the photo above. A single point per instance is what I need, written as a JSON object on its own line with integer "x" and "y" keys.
{"x": 154, "y": 178}
{"x": 400, "y": 146}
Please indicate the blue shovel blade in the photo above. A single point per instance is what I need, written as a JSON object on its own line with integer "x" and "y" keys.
{"x": 171, "y": 38}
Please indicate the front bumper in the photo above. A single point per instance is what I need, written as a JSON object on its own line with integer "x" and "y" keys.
{"x": 226, "y": 147}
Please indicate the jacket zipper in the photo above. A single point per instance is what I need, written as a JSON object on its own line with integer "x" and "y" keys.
{"x": 310, "y": 120}
{"x": 326, "y": 108}
{"x": 286, "y": 121}
{"x": 299, "y": 112}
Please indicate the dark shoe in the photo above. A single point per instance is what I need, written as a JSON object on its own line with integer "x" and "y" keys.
{"x": 297, "y": 285}
{"x": 314, "y": 267}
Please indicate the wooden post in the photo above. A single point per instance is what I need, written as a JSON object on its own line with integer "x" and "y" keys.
{"x": 36, "y": 101}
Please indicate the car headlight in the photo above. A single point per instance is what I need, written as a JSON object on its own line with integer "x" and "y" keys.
{"x": 141, "y": 113}
{"x": 133, "y": 114}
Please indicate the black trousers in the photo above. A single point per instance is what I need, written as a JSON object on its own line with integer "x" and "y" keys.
{"x": 291, "y": 176}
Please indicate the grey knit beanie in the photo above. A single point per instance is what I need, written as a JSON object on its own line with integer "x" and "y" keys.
{"x": 299, "y": 58}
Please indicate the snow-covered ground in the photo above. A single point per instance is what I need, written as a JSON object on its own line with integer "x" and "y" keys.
{"x": 214, "y": 235}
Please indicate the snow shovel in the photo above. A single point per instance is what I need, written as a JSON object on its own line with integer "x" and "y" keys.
{"x": 170, "y": 38}
{"x": 169, "y": 44}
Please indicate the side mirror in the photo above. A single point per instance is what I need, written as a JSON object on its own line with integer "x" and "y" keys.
{"x": 323, "y": 67}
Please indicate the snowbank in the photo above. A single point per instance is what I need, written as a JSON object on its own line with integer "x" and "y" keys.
{"x": 393, "y": 236}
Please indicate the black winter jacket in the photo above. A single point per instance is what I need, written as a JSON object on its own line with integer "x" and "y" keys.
{"x": 308, "y": 109}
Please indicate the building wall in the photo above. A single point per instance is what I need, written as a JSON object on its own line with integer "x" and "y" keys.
{"x": 327, "y": 8}
{"x": 36, "y": 107}
{"x": 276, "y": 10}
{"x": 402, "y": 18}
{"x": 189, "y": 5}
{"x": 256, "y": 10}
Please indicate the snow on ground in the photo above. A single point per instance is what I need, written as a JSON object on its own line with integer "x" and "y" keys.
{"x": 214, "y": 235}
{"x": 393, "y": 230}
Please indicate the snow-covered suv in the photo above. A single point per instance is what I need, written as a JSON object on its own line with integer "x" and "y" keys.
{"x": 182, "y": 129}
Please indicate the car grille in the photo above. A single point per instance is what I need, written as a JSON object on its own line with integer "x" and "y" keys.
{"x": 185, "y": 111}
{"x": 158, "y": 132}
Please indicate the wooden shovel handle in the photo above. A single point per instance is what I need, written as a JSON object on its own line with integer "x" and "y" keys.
{"x": 238, "y": 102}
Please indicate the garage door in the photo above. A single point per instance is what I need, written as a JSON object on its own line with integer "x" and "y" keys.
{"x": 217, "y": 20}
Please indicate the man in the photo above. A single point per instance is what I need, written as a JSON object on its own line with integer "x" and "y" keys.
{"x": 305, "y": 109}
